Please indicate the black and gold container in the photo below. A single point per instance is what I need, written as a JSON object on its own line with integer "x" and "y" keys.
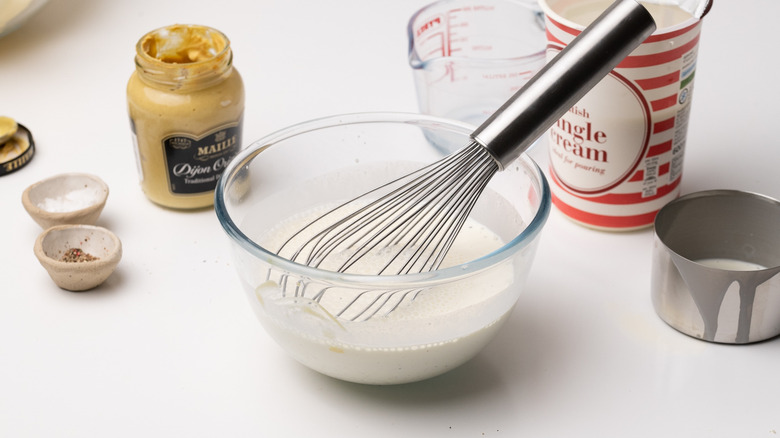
{"x": 16, "y": 146}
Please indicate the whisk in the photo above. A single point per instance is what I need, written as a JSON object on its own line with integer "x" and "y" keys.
{"x": 414, "y": 219}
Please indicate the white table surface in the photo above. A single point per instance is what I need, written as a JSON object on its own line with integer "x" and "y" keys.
{"x": 169, "y": 347}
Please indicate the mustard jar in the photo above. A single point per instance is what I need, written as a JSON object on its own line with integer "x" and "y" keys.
{"x": 185, "y": 102}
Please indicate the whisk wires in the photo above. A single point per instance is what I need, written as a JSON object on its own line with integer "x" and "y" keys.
{"x": 405, "y": 226}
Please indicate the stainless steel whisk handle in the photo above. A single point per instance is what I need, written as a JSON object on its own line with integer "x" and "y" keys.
{"x": 509, "y": 131}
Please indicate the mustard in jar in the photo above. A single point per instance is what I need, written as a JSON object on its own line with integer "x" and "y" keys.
{"x": 186, "y": 103}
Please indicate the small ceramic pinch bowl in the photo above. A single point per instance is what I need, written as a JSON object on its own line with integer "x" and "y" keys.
{"x": 93, "y": 254}
{"x": 69, "y": 198}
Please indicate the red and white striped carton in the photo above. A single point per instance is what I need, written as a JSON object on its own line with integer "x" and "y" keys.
{"x": 616, "y": 157}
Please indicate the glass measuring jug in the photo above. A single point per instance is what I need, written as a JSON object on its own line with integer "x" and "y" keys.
{"x": 469, "y": 56}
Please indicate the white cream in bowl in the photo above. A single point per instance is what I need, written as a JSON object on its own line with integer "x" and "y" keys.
{"x": 396, "y": 347}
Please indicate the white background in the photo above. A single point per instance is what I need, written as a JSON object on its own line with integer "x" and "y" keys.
{"x": 169, "y": 347}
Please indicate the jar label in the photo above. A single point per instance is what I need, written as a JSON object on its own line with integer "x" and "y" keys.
{"x": 600, "y": 142}
{"x": 195, "y": 164}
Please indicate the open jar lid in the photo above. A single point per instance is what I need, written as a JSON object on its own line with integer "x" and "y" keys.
{"x": 16, "y": 146}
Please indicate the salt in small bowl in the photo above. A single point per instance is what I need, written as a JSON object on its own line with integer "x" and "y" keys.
{"x": 69, "y": 198}
{"x": 97, "y": 242}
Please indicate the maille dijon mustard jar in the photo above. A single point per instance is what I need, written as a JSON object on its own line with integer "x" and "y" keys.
{"x": 186, "y": 103}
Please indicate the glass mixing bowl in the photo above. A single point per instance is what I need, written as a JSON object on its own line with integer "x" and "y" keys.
{"x": 455, "y": 311}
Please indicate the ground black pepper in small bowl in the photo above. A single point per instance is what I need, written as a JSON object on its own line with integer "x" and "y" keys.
{"x": 76, "y": 255}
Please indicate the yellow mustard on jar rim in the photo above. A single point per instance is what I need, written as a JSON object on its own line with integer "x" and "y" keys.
{"x": 8, "y": 127}
{"x": 186, "y": 102}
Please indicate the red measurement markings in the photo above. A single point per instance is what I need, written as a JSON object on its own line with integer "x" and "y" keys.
{"x": 437, "y": 49}
{"x": 453, "y": 23}
{"x": 428, "y": 25}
